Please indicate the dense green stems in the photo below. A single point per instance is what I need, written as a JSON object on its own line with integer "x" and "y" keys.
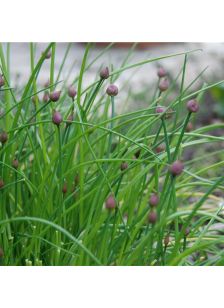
{"x": 111, "y": 125}
{"x": 166, "y": 140}
{"x": 181, "y": 136}
{"x": 60, "y": 173}
{"x": 52, "y": 65}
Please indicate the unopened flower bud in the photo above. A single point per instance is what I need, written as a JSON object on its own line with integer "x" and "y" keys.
{"x": 57, "y": 118}
{"x": 161, "y": 72}
{"x": 160, "y": 109}
{"x": 192, "y": 105}
{"x": 164, "y": 85}
{"x": 112, "y": 90}
{"x": 176, "y": 168}
{"x": 153, "y": 200}
{"x": 104, "y": 73}
{"x": 110, "y": 202}
{"x": 152, "y": 218}
{"x": 54, "y": 96}
{"x": 71, "y": 92}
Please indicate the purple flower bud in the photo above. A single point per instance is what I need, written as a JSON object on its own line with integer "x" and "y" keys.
{"x": 164, "y": 85}
{"x": 54, "y": 96}
{"x": 112, "y": 90}
{"x": 57, "y": 118}
{"x": 152, "y": 218}
{"x": 153, "y": 200}
{"x": 104, "y": 73}
{"x": 176, "y": 168}
{"x": 110, "y": 202}
{"x": 192, "y": 105}
{"x": 46, "y": 97}
{"x": 1, "y": 253}
{"x": 2, "y": 81}
{"x": 160, "y": 109}
{"x": 15, "y": 163}
{"x": 3, "y": 137}
{"x": 71, "y": 92}
{"x": 161, "y": 72}
{"x": 124, "y": 166}
{"x": 1, "y": 184}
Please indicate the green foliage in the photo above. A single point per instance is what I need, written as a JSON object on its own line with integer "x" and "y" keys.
{"x": 53, "y": 205}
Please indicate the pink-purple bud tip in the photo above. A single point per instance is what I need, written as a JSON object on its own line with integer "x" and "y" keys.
{"x": 112, "y": 90}
{"x": 57, "y": 118}
{"x": 54, "y": 96}
{"x": 161, "y": 72}
{"x": 153, "y": 200}
{"x": 104, "y": 73}
{"x": 192, "y": 105}
{"x": 152, "y": 218}
{"x": 164, "y": 85}
{"x": 71, "y": 92}
{"x": 160, "y": 109}
{"x": 110, "y": 202}
{"x": 176, "y": 168}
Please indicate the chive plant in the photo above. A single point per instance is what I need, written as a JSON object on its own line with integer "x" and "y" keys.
{"x": 81, "y": 184}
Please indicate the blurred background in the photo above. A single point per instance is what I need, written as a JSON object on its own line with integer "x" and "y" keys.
{"x": 139, "y": 82}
